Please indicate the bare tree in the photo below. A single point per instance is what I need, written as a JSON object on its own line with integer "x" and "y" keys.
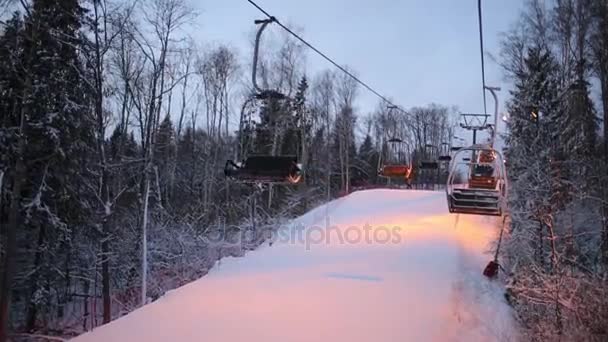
{"x": 163, "y": 18}
{"x": 324, "y": 100}
{"x": 185, "y": 63}
{"x": 346, "y": 92}
{"x": 218, "y": 70}
{"x": 109, "y": 22}
{"x": 599, "y": 49}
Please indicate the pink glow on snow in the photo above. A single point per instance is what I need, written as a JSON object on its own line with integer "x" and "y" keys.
{"x": 427, "y": 287}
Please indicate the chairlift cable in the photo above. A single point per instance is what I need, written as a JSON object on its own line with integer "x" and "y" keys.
{"x": 324, "y": 56}
{"x": 483, "y": 69}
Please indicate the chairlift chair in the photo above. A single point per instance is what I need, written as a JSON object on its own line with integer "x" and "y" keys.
{"x": 485, "y": 189}
{"x": 430, "y": 162}
{"x": 395, "y": 166}
{"x": 484, "y": 192}
{"x": 266, "y": 169}
{"x": 444, "y": 155}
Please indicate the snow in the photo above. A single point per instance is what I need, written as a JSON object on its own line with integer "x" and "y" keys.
{"x": 424, "y": 284}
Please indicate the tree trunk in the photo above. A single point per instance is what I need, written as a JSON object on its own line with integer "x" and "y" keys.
{"x": 32, "y": 309}
{"x": 105, "y": 276}
{"x": 540, "y": 244}
{"x": 552, "y": 243}
{"x": 604, "y": 87}
{"x": 347, "y": 169}
{"x": 1, "y": 184}
{"x": 144, "y": 243}
{"x": 8, "y": 264}
{"x": 11, "y": 246}
{"x": 85, "y": 308}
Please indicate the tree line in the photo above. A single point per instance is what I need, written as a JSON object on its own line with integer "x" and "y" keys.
{"x": 557, "y": 253}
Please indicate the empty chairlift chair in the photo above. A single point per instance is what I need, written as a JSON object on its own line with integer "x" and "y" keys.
{"x": 444, "y": 155}
{"x": 395, "y": 171}
{"x": 395, "y": 164}
{"x": 429, "y": 161}
{"x": 477, "y": 183}
{"x": 265, "y": 169}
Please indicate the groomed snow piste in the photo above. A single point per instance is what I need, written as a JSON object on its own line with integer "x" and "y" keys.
{"x": 378, "y": 265}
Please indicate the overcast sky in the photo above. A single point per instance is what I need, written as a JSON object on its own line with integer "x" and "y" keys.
{"x": 413, "y": 51}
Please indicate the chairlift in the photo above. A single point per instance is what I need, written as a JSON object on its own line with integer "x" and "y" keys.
{"x": 263, "y": 169}
{"x": 395, "y": 164}
{"x": 444, "y": 155}
{"x": 430, "y": 162}
{"x": 483, "y": 191}
{"x": 477, "y": 181}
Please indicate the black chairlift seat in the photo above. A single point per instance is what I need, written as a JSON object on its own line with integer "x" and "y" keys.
{"x": 265, "y": 169}
{"x": 429, "y": 165}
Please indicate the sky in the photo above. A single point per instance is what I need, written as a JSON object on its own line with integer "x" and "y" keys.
{"x": 415, "y": 52}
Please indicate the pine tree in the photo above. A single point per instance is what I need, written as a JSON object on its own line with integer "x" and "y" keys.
{"x": 531, "y": 142}
{"x": 273, "y": 117}
{"x": 317, "y": 162}
{"x": 368, "y": 158}
{"x": 11, "y": 143}
{"x": 165, "y": 152}
{"x": 577, "y": 123}
{"x": 11, "y": 43}
{"x": 56, "y": 144}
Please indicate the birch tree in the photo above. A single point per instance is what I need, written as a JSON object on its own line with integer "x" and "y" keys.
{"x": 163, "y": 18}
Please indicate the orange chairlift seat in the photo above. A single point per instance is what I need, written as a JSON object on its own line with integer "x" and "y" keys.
{"x": 395, "y": 171}
{"x": 484, "y": 190}
{"x": 482, "y": 175}
{"x": 395, "y": 166}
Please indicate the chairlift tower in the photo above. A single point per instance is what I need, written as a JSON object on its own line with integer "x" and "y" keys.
{"x": 475, "y": 122}
{"x": 479, "y": 122}
{"x": 485, "y": 188}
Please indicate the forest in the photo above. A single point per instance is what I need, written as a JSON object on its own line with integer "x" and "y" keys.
{"x": 116, "y": 125}
{"x": 556, "y": 55}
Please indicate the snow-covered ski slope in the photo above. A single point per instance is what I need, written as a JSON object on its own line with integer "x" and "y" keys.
{"x": 334, "y": 283}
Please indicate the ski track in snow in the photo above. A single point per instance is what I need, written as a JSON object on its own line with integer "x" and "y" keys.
{"x": 428, "y": 286}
